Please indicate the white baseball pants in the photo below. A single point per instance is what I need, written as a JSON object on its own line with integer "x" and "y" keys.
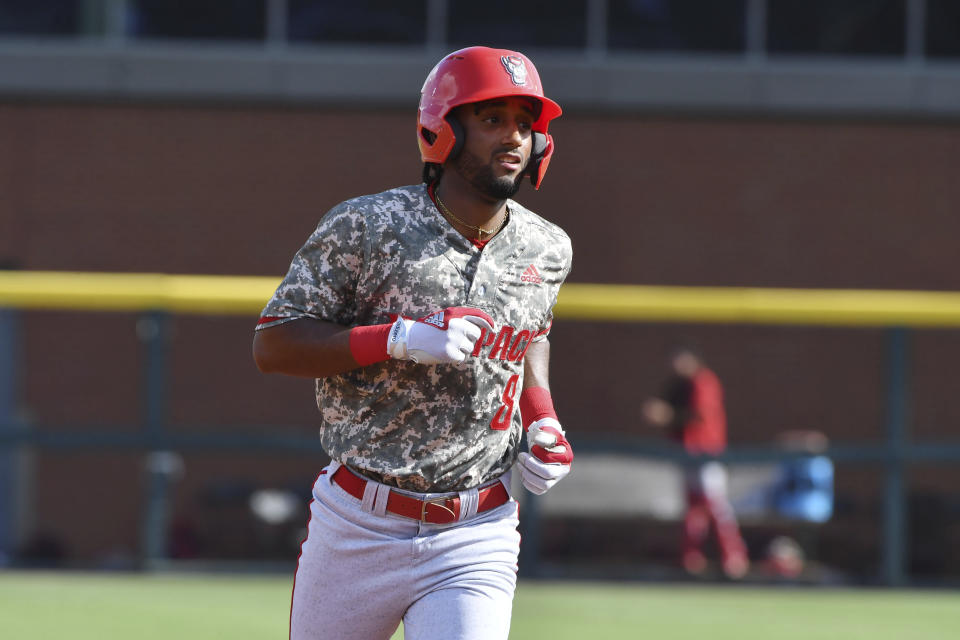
{"x": 360, "y": 573}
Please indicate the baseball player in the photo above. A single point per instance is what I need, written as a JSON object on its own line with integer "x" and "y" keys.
{"x": 423, "y": 314}
{"x": 691, "y": 408}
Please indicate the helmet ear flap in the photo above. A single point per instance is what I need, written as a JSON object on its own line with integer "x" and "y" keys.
{"x": 433, "y": 170}
{"x": 539, "y": 146}
{"x": 537, "y": 152}
{"x": 459, "y": 135}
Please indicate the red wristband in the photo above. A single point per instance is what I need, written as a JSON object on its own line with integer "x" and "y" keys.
{"x": 369, "y": 344}
{"x": 536, "y": 403}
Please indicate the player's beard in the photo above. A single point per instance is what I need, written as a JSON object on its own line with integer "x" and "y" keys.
{"x": 481, "y": 177}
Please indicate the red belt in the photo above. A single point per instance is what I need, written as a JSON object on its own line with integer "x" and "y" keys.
{"x": 432, "y": 510}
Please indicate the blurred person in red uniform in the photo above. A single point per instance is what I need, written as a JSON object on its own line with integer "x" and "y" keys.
{"x": 691, "y": 409}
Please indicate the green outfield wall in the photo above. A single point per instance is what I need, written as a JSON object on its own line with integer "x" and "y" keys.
{"x": 158, "y": 297}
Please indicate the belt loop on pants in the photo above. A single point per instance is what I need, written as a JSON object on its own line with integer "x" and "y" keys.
{"x": 438, "y": 510}
{"x": 469, "y": 501}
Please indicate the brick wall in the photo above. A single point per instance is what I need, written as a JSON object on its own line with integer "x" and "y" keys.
{"x": 649, "y": 200}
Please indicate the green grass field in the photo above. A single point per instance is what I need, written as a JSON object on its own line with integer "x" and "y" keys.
{"x": 83, "y": 606}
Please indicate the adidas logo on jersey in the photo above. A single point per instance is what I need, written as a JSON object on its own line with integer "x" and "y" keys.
{"x": 531, "y": 275}
{"x": 435, "y": 319}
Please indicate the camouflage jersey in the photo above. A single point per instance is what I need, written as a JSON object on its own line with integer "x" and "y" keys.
{"x": 440, "y": 427}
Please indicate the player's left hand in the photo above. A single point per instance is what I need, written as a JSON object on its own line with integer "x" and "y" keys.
{"x": 550, "y": 456}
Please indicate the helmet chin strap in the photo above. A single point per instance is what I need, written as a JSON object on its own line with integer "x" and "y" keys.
{"x": 431, "y": 172}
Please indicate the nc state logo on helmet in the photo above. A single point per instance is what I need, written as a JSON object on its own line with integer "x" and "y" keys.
{"x": 516, "y": 69}
{"x": 475, "y": 74}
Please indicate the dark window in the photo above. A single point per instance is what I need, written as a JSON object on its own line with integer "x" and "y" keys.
{"x": 838, "y": 27}
{"x": 367, "y": 21}
{"x": 515, "y": 25}
{"x": 40, "y": 17}
{"x": 943, "y": 28}
{"x": 199, "y": 19}
{"x": 677, "y": 25}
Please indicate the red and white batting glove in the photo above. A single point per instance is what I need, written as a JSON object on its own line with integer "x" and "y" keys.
{"x": 443, "y": 336}
{"x": 550, "y": 455}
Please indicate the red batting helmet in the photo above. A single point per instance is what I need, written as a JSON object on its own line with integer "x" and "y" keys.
{"x": 475, "y": 74}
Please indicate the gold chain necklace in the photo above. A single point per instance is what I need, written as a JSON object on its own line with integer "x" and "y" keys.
{"x": 479, "y": 230}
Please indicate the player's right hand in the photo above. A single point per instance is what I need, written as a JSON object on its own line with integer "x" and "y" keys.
{"x": 444, "y": 336}
{"x": 550, "y": 456}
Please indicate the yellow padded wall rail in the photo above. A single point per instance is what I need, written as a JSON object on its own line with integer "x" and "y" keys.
{"x": 246, "y": 295}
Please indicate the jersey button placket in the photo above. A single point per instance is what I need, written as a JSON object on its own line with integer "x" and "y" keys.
{"x": 483, "y": 281}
